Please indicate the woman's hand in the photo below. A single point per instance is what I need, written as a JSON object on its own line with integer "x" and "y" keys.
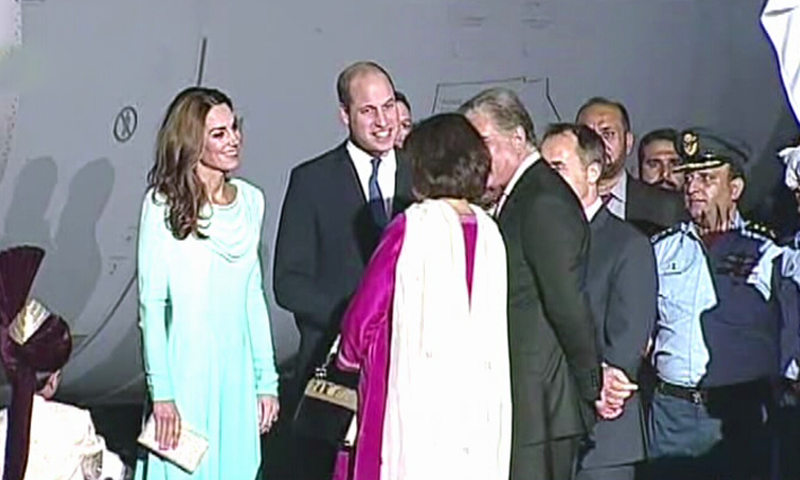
{"x": 168, "y": 424}
{"x": 268, "y": 409}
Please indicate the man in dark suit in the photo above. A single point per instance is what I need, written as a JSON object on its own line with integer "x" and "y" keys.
{"x": 647, "y": 207}
{"x": 555, "y": 365}
{"x": 335, "y": 208}
{"x": 621, "y": 281}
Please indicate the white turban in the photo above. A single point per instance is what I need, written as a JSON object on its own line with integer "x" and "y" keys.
{"x": 791, "y": 158}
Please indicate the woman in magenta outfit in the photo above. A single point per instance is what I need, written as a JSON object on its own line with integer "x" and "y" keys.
{"x": 427, "y": 326}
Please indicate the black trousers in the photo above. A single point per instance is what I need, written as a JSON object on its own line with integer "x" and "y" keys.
{"x": 617, "y": 472}
{"x": 553, "y": 460}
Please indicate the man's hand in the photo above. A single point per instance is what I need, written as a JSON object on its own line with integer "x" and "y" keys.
{"x": 616, "y": 389}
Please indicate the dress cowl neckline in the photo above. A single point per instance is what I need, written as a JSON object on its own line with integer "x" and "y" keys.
{"x": 232, "y": 229}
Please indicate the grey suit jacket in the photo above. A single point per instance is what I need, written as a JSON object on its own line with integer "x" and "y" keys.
{"x": 622, "y": 286}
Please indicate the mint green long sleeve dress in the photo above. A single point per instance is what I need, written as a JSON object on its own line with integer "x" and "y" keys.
{"x": 206, "y": 332}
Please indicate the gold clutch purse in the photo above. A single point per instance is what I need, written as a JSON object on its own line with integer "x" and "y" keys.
{"x": 189, "y": 452}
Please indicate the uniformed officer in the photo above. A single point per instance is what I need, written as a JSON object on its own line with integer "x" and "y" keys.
{"x": 726, "y": 326}
{"x": 788, "y": 415}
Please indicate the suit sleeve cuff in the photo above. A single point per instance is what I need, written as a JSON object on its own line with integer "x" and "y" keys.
{"x": 589, "y": 383}
{"x": 792, "y": 371}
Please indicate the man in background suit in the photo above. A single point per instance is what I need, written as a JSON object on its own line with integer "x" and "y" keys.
{"x": 335, "y": 208}
{"x": 555, "y": 365}
{"x": 621, "y": 281}
{"x": 404, "y": 121}
{"x": 649, "y": 208}
{"x": 658, "y": 159}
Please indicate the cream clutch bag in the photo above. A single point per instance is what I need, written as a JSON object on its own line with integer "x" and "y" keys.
{"x": 189, "y": 452}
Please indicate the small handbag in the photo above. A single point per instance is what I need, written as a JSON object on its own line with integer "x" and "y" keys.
{"x": 191, "y": 447}
{"x": 329, "y": 403}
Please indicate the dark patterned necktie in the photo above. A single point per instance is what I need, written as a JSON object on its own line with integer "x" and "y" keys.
{"x": 376, "y": 203}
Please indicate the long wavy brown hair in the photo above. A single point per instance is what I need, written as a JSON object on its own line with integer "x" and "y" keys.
{"x": 179, "y": 145}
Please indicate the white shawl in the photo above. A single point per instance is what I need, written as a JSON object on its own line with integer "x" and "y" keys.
{"x": 448, "y": 409}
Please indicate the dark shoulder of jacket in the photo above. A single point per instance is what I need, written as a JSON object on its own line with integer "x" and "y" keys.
{"x": 532, "y": 183}
{"x": 546, "y": 180}
{"x": 790, "y": 240}
{"x": 320, "y": 161}
{"x": 628, "y": 229}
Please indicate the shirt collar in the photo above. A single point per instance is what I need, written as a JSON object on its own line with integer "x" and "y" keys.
{"x": 359, "y": 156}
{"x": 620, "y": 190}
{"x": 593, "y": 209}
{"x": 738, "y": 224}
{"x": 523, "y": 166}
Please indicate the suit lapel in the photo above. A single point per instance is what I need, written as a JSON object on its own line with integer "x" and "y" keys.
{"x": 345, "y": 174}
{"x": 515, "y": 195}
{"x": 629, "y": 201}
{"x": 599, "y": 220}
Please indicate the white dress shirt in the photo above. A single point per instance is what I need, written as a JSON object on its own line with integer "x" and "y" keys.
{"x": 386, "y": 171}
{"x": 525, "y": 165}
{"x": 592, "y": 209}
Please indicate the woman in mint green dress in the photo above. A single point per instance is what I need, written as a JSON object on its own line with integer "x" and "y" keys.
{"x": 208, "y": 353}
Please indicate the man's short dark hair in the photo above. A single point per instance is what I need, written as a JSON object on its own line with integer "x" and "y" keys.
{"x": 400, "y": 97}
{"x": 352, "y": 71}
{"x": 663, "y": 134}
{"x": 591, "y": 148}
{"x": 448, "y": 158}
{"x": 603, "y": 101}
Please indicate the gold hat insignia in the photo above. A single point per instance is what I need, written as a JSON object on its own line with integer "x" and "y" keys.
{"x": 28, "y": 321}
{"x": 690, "y": 144}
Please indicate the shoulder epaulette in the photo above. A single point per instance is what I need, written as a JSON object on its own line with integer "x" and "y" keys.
{"x": 665, "y": 233}
{"x": 761, "y": 230}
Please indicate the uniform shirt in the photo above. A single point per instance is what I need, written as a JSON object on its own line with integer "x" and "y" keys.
{"x": 687, "y": 292}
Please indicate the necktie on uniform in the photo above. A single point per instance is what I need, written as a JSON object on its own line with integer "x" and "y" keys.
{"x": 377, "y": 204}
